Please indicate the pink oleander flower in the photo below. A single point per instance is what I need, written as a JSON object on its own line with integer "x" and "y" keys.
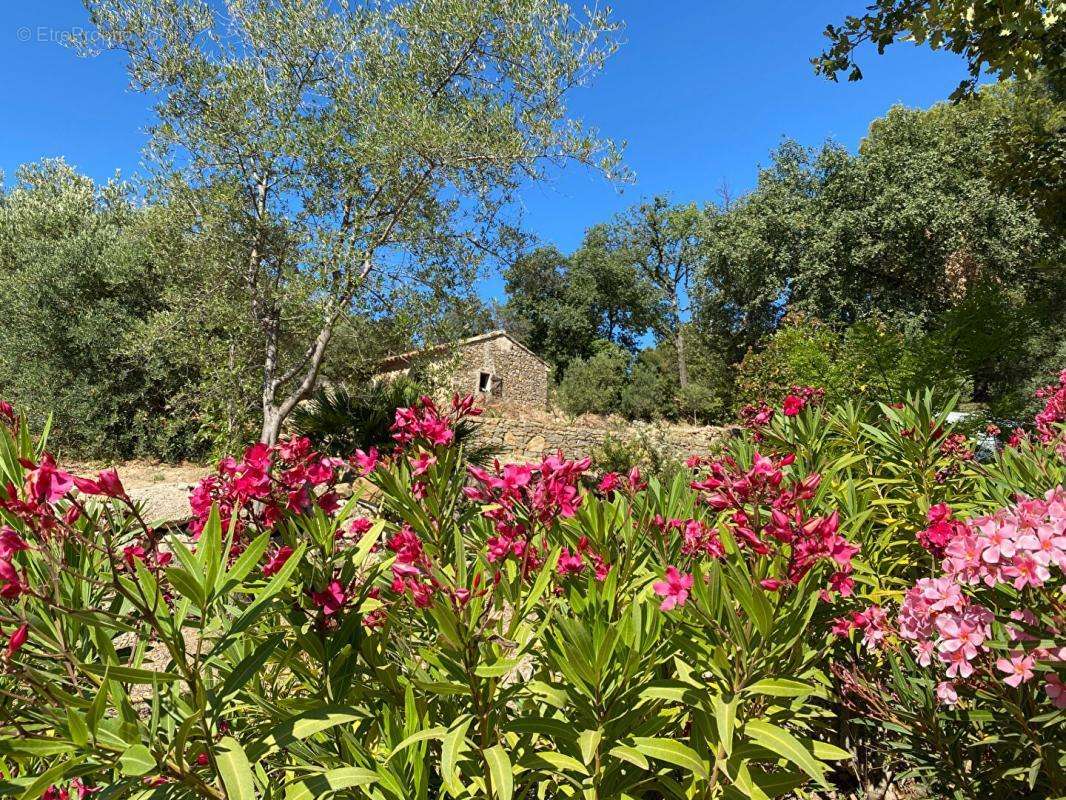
{"x": 17, "y": 639}
{"x": 359, "y": 526}
{"x": 569, "y": 563}
{"x": 609, "y": 482}
{"x": 793, "y": 405}
{"x": 11, "y": 585}
{"x": 331, "y": 599}
{"x": 45, "y": 482}
{"x": 1054, "y": 411}
{"x": 673, "y": 590}
{"x": 1055, "y": 690}
{"x": 11, "y": 542}
{"x": 946, "y": 693}
{"x": 958, "y": 664}
{"x": 407, "y": 546}
{"x": 634, "y": 480}
{"x": 107, "y": 483}
{"x": 421, "y": 463}
{"x": 276, "y": 561}
{"x": 1025, "y": 570}
{"x": 366, "y": 462}
{"x": 1018, "y": 668}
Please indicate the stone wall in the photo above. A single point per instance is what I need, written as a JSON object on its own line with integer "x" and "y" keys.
{"x": 518, "y": 377}
{"x": 527, "y": 439}
{"x": 513, "y": 374}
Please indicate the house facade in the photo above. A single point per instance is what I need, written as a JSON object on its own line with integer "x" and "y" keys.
{"x": 495, "y": 367}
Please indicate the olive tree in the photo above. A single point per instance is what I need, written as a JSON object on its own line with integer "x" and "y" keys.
{"x": 353, "y": 148}
{"x": 1007, "y": 38}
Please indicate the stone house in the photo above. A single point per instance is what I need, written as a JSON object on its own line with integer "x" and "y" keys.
{"x": 493, "y": 366}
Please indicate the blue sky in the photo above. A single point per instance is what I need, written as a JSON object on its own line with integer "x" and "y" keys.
{"x": 701, "y": 91}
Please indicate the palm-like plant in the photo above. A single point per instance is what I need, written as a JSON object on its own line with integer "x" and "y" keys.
{"x": 338, "y": 421}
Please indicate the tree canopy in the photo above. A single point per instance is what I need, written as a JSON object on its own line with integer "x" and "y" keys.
{"x": 1009, "y": 38}
{"x": 927, "y": 233}
{"x": 349, "y": 152}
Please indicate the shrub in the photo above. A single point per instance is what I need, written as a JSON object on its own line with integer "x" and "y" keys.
{"x": 637, "y": 451}
{"x": 595, "y": 385}
{"x": 339, "y": 422}
{"x": 869, "y": 360}
{"x": 941, "y": 611}
{"x": 505, "y": 631}
{"x": 483, "y": 638}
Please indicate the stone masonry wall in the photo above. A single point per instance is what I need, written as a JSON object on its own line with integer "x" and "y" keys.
{"x": 523, "y": 377}
{"x": 520, "y": 377}
{"x": 520, "y": 439}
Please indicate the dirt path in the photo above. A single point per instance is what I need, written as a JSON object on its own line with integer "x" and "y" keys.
{"x": 163, "y": 488}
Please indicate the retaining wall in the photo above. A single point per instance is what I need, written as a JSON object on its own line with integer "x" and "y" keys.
{"x": 525, "y": 439}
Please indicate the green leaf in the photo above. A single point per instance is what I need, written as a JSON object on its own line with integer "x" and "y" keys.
{"x": 79, "y": 731}
{"x": 830, "y": 752}
{"x": 588, "y": 741}
{"x": 624, "y": 752}
{"x": 500, "y": 771}
{"x": 725, "y": 717}
{"x": 438, "y": 732}
{"x": 452, "y": 747}
{"x": 497, "y": 669}
{"x": 561, "y": 762}
{"x": 672, "y": 752}
{"x": 234, "y": 769}
{"x": 137, "y": 760}
{"x": 300, "y": 727}
{"x": 366, "y": 543}
{"x": 25, "y": 745}
{"x": 185, "y": 583}
{"x": 541, "y": 583}
{"x": 330, "y": 781}
{"x": 780, "y": 687}
{"x": 778, "y": 740}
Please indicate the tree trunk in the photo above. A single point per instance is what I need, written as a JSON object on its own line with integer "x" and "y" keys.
{"x": 271, "y": 425}
{"x": 679, "y": 339}
{"x": 306, "y": 368}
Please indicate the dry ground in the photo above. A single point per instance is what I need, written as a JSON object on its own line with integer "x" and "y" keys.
{"x": 163, "y": 488}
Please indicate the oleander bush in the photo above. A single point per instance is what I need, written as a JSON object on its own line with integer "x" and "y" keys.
{"x": 844, "y": 596}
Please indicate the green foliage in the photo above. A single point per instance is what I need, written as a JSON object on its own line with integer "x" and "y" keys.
{"x": 647, "y": 386}
{"x": 208, "y": 678}
{"x": 890, "y": 467}
{"x": 1007, "y": 39}
{"x": 595, "y": 385}
{"x": 640, "y": 449}
{"x": 564, "y": 306}
{"x": 909, "y": 231}
{"x": 868, "y": 360}
{"x": 375, "y": 179}
{"x": 80, "y": 274}
{"x": 339, "y": 421}
{"x": 497, "y": 676}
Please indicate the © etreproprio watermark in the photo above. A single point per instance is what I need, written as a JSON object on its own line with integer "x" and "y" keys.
{"x": 76, "y": 36}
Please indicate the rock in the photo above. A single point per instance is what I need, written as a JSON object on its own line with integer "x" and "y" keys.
{"x": 164, "y": 503}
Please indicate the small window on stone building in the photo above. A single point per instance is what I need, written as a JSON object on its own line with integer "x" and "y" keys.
{"x": 489, "y": 384}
